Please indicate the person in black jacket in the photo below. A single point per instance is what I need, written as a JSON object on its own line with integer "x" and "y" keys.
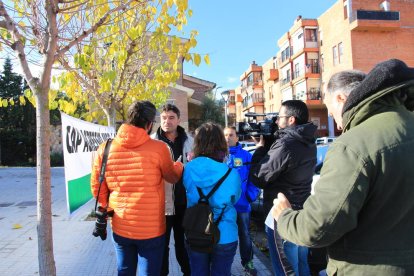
{"x": 181, "y": 146}
{"x": 287, "y": 167}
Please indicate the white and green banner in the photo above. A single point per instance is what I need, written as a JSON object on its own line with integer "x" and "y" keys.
{"x": 80, "y": 140}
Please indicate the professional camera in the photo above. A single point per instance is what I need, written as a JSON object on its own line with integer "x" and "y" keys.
{"x": 101, "y": 221}
{"x": 255, "y": 128}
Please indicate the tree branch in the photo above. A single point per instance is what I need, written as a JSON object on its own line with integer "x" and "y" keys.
{"x": 83, "y": 81}
{"x": 60, "y": 10}
{"x": 67, "y": 2}
{"x": 51, "y": 39}
{"x": 92, "y": 29}
{"x": 18, "y": 46}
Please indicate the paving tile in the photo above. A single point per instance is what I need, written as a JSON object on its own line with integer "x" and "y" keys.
{"x": 76, "y": 251}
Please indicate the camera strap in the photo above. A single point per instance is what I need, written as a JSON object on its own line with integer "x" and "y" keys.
{"x": 103, "y": 168}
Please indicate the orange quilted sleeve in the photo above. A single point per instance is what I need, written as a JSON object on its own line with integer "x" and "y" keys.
{"x": 171, "y": 171}
{"x": 96, "y": 169}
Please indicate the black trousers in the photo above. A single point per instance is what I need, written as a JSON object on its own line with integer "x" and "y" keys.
{"x": 175, "y": 223}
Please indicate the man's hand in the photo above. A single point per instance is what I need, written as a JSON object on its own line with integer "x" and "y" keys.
{"x": 259, "y": 142}
{"x": 279, "y": 204}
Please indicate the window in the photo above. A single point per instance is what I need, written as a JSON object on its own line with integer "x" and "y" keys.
{"x": 345, "y": 9}
{"x": 340, "y": 52}
{"x": 285, "y": 54}
{"x": 322, "y": 63}
{"x": 313, "y": 66}
{"x": 297, "y": 70}
{"x": 335, "y": 55}
{"x": 310, "y": 35}
{"x": 321, "y": 37}
{"x": 250, "y": 79}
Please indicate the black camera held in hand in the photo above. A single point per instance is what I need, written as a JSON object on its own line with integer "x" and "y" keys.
{"x": 102, "y": 215}
{"x": 254, "y": 127}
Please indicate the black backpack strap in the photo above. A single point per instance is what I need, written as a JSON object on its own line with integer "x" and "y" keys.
{"x": 221, "y": 215}
{"x": 216, "y": 186}
{"x": 103, "y": 167}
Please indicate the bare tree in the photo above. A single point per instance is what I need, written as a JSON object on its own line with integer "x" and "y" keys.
{"x": 46, "y": 32}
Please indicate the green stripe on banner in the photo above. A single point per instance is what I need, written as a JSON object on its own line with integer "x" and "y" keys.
{"x": 79, "y": 192}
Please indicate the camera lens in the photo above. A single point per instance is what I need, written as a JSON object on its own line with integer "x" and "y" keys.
{"x": 100, "y": 224}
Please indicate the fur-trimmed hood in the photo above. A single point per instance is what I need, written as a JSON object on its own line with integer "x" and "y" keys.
{"x": 391, "y": 81}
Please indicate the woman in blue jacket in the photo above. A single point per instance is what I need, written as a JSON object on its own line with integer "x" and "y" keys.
{"x": 204, "y": 171}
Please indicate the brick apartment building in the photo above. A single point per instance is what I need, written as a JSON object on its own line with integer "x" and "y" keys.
{"x": 352, "y": 34}
{"x": 187, "y": 94}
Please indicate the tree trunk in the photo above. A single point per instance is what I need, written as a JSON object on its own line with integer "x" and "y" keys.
{"x": 111, "y": 116}
{"x": 44, "y": 195}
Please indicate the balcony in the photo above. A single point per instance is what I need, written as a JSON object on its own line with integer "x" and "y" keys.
{"x": 253, "y": 99}
{"x": 377, "y": 21}
{"x": 313, "y": 69}
{"x": 273, "y": 74}
{"x": 285, "y": 81}
{"x": 377, "y": 15}
{"x": 314, "y": 97}
{"x": 258, "y": 84}
{"x": 314, "y": 94}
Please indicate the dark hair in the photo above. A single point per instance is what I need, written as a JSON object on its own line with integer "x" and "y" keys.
{"x": 345, "y": 81}
{"x": 140, "y": 113}
{"x": 232, "y": 127}
{"x": 209, "y": 141}
{"x": 171, "y": 107}
{"x": 297, "y": 109}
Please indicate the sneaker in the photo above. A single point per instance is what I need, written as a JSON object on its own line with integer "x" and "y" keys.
{"x": 249, "y": 269}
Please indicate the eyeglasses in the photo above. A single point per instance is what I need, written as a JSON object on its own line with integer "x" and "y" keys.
{"x": 283, "y": 116}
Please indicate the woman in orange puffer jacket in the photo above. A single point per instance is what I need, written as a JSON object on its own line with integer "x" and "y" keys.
{"x": 134, "y": 181}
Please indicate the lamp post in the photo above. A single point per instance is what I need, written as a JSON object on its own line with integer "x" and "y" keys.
{"x": 215, "y": 91}
{"x": 225, "y": 94}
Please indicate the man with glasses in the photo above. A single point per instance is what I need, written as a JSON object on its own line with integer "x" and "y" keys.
{"x": 363, "y": 208}
{"x": 287, "y": 167}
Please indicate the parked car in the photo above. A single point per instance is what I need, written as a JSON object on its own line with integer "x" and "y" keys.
{"x": 245, "y": 144}
{"x": 324, "y": 140}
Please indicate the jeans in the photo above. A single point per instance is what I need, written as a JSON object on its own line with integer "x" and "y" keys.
{"x": 175, "y": 222}
{"x": 146, "y": 253}
{"x": 217, "y": 263}
{"x": 296, "y": 255}
{"x": 274, "y": 256}
{"x": 245, "y": 242}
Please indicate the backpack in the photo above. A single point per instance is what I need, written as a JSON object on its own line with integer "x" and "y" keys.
{"x": 201, "y": 231}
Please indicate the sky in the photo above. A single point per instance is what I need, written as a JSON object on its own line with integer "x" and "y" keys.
{"x": 235, "y": 33}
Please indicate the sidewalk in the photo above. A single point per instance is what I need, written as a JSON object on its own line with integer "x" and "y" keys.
{"x": 76, "y": 251}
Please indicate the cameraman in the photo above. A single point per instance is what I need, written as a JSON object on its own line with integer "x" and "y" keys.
{"x": 286, "y": 167}
{"x": 134, "y": 187}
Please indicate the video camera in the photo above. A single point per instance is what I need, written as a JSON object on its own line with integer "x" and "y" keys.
{"x": 255, "y": 128}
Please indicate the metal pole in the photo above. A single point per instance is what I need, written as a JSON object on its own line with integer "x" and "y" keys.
{"x": 225, "y": 114}
{"x": 215, "y": 91}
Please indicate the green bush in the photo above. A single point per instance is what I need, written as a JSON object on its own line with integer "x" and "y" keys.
{"x": 56, "y": 159}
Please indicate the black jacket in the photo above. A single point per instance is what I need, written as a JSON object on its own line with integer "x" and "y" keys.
{"x": 177, "y": 149}
{"x": 287, "y": 167}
